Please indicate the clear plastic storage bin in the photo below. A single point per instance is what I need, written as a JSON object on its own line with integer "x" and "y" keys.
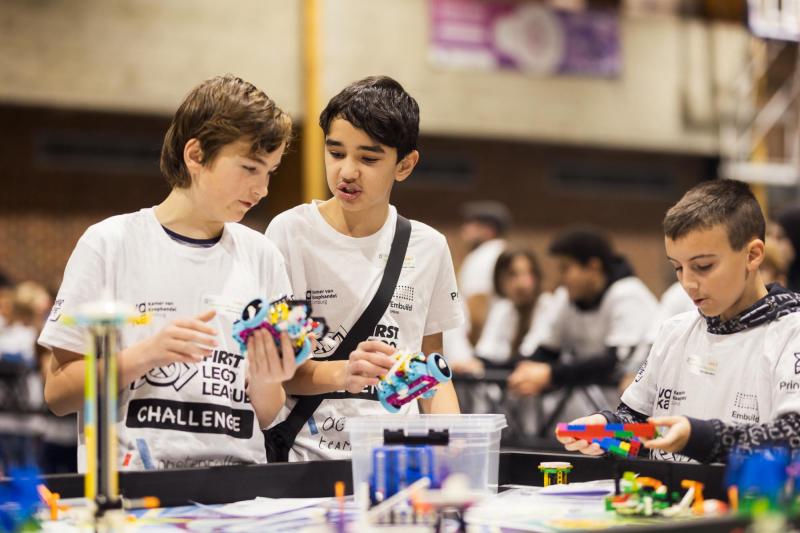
{"x": 473, "y": 444}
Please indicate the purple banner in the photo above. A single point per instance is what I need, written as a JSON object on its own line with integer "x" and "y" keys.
{"x": 524, "y": 36}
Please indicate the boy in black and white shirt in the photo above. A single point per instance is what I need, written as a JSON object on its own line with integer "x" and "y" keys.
{"x": 728, "y": 376}
{"x": 336, "y": 251}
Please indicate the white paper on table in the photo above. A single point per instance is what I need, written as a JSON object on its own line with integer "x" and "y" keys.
{"x": 262, "y": 507}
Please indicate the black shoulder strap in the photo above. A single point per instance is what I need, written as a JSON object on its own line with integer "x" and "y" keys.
{"x": 281, "y": 437}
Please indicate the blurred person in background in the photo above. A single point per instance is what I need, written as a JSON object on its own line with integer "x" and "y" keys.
{"x": 784, "y": 232}
{"x": 6, "y": 297}
{"x": 513, "y": 326}
{"x": 483, "y": 229}
{"x": 57, "y": 435}
{"x": 20, "y": 383}
{"x": 517, "y": 281}
{"x": 601, "y": 317}
{"x": 774, "y": 267}
{"x": 673, "y": 302}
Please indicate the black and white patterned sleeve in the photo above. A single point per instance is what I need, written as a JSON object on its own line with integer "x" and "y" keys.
{"x": 711, "y": 441}
{"x": 624, "y": 415}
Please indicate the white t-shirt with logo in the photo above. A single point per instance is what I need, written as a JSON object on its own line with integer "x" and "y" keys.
{"x": 180, "y": 415}
{"x": 748, "y": 377}
{"x": 621, "y": 320}
{"x": 339, "y": 275}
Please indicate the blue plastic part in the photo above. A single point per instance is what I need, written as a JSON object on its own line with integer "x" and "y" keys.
{"x": 438, "y": 369}
{"x": 762, "y": 473}
{"x": 396, "y": 467}
{"x": 19, "y": 497}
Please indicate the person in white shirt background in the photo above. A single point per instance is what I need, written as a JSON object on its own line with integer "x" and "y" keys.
{"x": 483, "y": 230}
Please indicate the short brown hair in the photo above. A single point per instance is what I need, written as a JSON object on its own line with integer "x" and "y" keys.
{"x": 722, "y": 201}
{"x": 219, "y": 111}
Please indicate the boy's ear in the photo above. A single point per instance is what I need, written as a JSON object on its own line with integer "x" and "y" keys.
{"x": 406, "y": 166}
{"x": 193, "y": 156}
{"x": 755, "y": 254}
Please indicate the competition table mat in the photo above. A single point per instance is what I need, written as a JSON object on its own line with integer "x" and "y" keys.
{"x": 228, "y": 484}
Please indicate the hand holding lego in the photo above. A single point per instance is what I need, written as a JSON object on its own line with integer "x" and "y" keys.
{"x": 367, "y": 364}
{"x": 413, "y": 375}
{"x": 581, "y": 445}
{"x": 280, "y": 316}
{"x": 676, "y": 436}
{"x": 264, "y": 363}
{"x": 185, "y": 340}
{"x": 530, "y": 378}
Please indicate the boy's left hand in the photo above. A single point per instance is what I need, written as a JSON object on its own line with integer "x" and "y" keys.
{"x": 676, "y": 436}
{"x": 265, "y": 363}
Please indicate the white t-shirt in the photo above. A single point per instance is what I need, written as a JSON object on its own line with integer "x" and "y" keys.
{"x": 339, "y": 275}
{"x": 622, "y": 320}
{"x": 181, "y": 415}
{"x": 501, "y": 328}
{"x": 477, "y": 270}
{"x": 748, "y": 377}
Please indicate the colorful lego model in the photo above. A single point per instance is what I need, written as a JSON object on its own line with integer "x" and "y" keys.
{"x": 281, "y": 315}
{"x": 413, "y": 374}
{"x": 623, "y": 440}
{"x": 640, "y": 496}
{"x": 620, "y": 447}
{"x": 555, "y": 472}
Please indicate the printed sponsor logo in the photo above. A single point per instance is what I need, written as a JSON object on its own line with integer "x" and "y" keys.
{"x": 745, "y": 408}
{"x": 320, "y": 296}
{"x": 220, "y": 376}
{"x": 157, "y": 308}
{"x": 404, "y": 292}
{"x": 668, "y": 397}
{"x": 195, "y": 462}
{"x": 402, "y": 299}
{"x": 789, "y": 386}
{"x": 175, "y": 375}
{"x": 193, "y": 417}
{"x": 328, "y": 344}
{"x": 454, "y": 295}
{"x": 388, "y": 334}
{"x": 640, "y": 372}
{"x": 55, "y": 312}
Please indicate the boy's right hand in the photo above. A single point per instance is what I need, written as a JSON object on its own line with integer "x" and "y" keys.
{"x": 367, "y": 364}
{"x": 580, "y": 445}
{"x": 186, "y": 340}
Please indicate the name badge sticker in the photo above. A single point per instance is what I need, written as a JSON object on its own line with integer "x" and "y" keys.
{"x": 222, "y": 305}
{"x": 702, "y": 366}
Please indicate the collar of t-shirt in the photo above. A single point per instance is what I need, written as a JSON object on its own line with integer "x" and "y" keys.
{"x": 189, "y": 241}
{"x": 777, "y": 303}
{"x": 619, "y": 268}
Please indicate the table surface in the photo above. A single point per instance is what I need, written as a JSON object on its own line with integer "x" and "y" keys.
{"x": 227, "y": 484}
